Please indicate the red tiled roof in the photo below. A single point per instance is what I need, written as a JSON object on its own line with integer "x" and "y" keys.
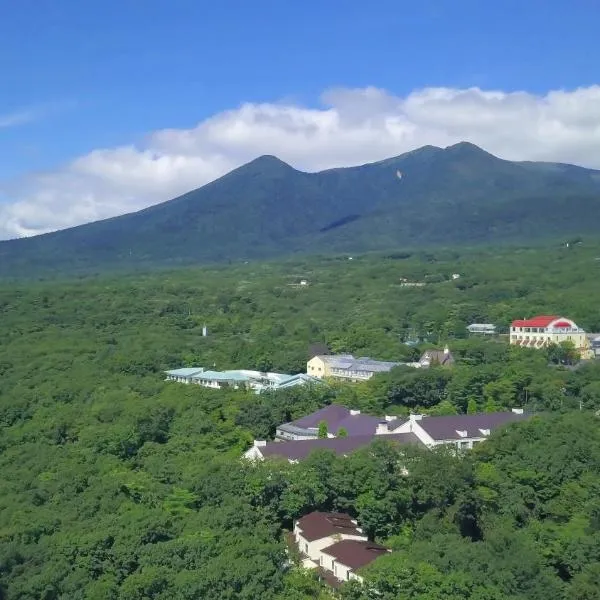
{"x": 539, "y": 321}
{"x": 317, "y": 525}
{"x": 354, "y": 553}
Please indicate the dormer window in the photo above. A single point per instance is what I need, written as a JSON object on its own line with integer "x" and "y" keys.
{"x": 461, "y": 432}
{"x": 485, "y": 431}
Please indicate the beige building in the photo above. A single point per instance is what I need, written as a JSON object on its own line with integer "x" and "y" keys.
{"x": 345, "y": 366}
{"x": 542, "y": 331}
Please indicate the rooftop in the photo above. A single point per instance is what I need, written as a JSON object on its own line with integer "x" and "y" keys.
{"x": 317, "y": 525}
{"x": 336, "y": 417}
{"x": 364, "y": 363}
{"x": 539, "y": 321}
{"x": 185, "y": 372}
{"x": 300, "y": 449}
{"x": 447, "y": 427}
{"x": 355, "y": 553}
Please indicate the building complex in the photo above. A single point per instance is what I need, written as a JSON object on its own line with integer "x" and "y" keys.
{"x": 238, "y": 379}
{"x": 296, "y": 440}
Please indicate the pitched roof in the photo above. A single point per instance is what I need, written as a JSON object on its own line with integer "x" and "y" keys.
{"x": 364, "y": 363}
{"x": 354, "y": 553}
{"x": 317, "y": 525}
{"x": 300, "y": 449}
{"x": 336, "y": 417}
{"x": 539, "y": 321}
{"x": 185, "y": 371}
{"x": 447, "y": 427}
{"x": 438, "y": 356}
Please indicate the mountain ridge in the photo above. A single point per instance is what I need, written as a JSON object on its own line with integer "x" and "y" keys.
{"x": 267, "y": 208}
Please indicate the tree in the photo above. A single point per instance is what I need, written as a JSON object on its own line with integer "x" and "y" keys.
{"x": 564, "y": 353}
{"x": 471, "y": 406}
{"x": 342, "y": 432}
{"x": 323, "y": 432}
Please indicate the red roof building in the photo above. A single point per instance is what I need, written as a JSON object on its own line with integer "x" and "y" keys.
{"x": 544, "y": 330}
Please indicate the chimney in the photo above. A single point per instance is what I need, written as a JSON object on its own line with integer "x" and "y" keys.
{"x": 259, "y": 443}
{"x": 389, "y": 418}
{"x": 354, "y": 412}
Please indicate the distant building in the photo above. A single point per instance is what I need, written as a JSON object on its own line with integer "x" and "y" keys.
{"x": 482, "y": 329}
{"x": 455, "y": 275}
{"x": 594, "y": 341}
{"x": 542, "y": 331}
{"x": 239, "y": 379}
{"x": 442, "y": 358}
{"x": 337, "y": 417}
{"x": 345, "y": 366}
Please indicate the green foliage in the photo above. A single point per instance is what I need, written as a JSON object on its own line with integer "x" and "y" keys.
{"x": 342, "y": 432}
{"x": 117, "y": 484}
{"x": 322, "y": 432}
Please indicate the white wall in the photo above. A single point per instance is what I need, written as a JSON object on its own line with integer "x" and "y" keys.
{"x": 313, "y": 548}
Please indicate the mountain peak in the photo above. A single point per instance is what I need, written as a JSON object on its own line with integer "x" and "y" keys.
{"x": 269, "y": 161}
{"x": 466, "y": 148}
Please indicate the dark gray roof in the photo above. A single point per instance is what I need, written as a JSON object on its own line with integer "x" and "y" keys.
{"x": 299, "y": 449}
{"x": 336, "y": 417}
{"x": 347, "y": 362}
{"x": 446, "y": 428}
{"x": 395, "y": 423}
{"x": 437, "y": 356}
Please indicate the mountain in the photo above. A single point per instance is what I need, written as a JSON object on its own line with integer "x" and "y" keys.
{"x": 266, "y": 208}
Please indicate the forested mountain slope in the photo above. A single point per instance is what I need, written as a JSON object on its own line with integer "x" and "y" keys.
{"x": 431, "y": 196}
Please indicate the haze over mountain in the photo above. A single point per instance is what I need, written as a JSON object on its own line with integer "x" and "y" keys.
{"x": 266, "y": 208}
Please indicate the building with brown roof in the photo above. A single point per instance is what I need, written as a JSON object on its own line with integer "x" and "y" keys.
{"x": 346, "y": 557}
{"x": 317, "y": 530}
{"x": 442, "y": 358}
{"x": 334, "y": 544}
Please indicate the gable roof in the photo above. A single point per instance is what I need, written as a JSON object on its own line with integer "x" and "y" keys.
{"x": 539, "y": 321}
{"x": 336, "y": 417}
{"x": 348, "y": 362}
{"x": 317, "y": 525}
{"x": 447, "y": 427}
{"x": 437, "y": 356}
{"x": 300, "y": 449}
{"x": 355, "y": 553}
{"x": 185, "y": 371}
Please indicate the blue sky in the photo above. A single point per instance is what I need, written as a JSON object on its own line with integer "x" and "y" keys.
{"x": 104, "y": 73}
{"x": 81, "y": 75}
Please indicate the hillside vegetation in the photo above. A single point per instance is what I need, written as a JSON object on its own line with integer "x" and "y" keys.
{"x": 264, "y": 209}
{"x": 118, "y": 485}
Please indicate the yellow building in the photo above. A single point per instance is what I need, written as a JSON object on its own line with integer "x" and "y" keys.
{"x": 345, "y": 366}
{"x": 541, "y": 331}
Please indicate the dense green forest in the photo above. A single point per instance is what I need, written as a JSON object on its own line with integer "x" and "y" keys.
{"x": 119, "y": 485}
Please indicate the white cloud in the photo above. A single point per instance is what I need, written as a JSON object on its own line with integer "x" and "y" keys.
{"x": 352, "y": 127}
{"x": 17, "y": 118}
